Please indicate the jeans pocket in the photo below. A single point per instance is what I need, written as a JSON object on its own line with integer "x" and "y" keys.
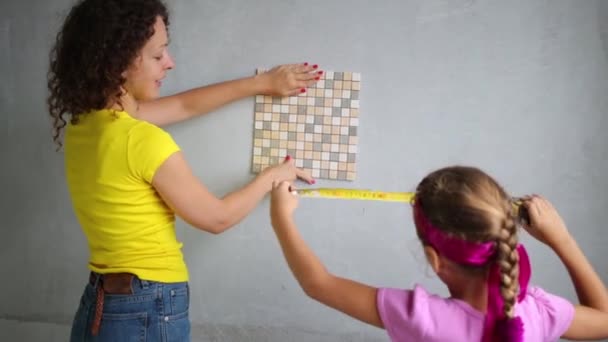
{"x": 129, "y": 327}
{"x": 180, "y": 299}
{"x": 177, "y": 327}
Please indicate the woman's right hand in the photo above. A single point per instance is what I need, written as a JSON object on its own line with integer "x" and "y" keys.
{"x": 545, "y": 223}
{"x": 287, "y": 171}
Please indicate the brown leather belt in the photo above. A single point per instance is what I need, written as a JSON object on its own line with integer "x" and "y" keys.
{"x": 111, "y": 283}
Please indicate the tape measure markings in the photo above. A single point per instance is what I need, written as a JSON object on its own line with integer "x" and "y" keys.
{"x": 369, "y": 195}
{"x": 356, "y": 194}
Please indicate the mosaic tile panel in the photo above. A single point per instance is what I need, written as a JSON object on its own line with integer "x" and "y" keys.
{"x": 317, "y": 128}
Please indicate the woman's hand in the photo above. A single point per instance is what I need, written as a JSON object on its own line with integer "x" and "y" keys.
{"x": 288, "y": 79}
{"x": 286, "y": 171}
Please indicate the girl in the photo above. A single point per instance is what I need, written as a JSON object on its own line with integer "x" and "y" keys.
{"x": 127, "y": 177}
{"x": 468, "y": 230}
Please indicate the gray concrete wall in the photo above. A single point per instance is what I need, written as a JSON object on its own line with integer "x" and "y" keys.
{"x": 519, "y": 88}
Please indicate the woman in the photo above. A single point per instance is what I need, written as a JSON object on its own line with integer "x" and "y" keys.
{"x": 127, "y": 177}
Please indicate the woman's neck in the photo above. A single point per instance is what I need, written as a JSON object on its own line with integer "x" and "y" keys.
{"x": 126, "y": 103}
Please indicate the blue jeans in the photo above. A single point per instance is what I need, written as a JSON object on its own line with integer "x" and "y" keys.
{"x": 154, "y": 312}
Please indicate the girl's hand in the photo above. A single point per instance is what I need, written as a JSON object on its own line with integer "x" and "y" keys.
{"x": 282, "y": 201}
{"x": 289, "y": 79}
{"x": 545, "y": 223}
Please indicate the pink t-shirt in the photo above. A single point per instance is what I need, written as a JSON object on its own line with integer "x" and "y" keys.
{"x": 416, "y": 315}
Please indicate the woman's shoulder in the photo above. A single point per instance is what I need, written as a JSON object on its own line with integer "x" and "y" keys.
{"x": 143, "y": 130}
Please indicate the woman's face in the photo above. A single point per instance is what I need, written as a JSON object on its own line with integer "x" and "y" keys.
{"x": 145, "y": 75}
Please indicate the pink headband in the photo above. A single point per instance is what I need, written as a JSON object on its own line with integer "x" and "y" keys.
{"x": 479, "y": 254}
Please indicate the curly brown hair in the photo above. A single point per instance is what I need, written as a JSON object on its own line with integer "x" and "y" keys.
{"x": 98, "y": 41}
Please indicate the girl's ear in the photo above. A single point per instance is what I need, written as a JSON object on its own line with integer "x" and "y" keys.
{"x": 433, "y": 258}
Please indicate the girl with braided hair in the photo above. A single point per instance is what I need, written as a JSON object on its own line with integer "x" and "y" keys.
{"x": 469, "y": 231}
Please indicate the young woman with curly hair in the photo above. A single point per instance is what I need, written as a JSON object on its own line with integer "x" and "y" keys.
{"x": 127, "y": 177}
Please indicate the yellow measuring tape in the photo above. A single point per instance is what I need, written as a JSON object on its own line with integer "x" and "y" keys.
{"x": 373, "y": 195}
{"x": 356, "y": 194}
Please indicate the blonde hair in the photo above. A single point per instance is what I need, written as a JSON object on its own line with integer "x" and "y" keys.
{"x": 467, "y": 203}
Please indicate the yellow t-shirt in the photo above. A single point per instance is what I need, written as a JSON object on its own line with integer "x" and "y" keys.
{"x": 110, "y": 159}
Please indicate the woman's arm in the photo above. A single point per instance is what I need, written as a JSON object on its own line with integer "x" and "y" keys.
{"x": 190, "y": 199}
{"x": 284, "y": 80}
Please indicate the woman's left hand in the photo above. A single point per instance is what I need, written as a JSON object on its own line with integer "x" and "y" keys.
{"x": 289, "y": 79}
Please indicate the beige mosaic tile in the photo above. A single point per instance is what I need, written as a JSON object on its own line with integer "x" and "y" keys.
{"x": 317, "y": 128}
